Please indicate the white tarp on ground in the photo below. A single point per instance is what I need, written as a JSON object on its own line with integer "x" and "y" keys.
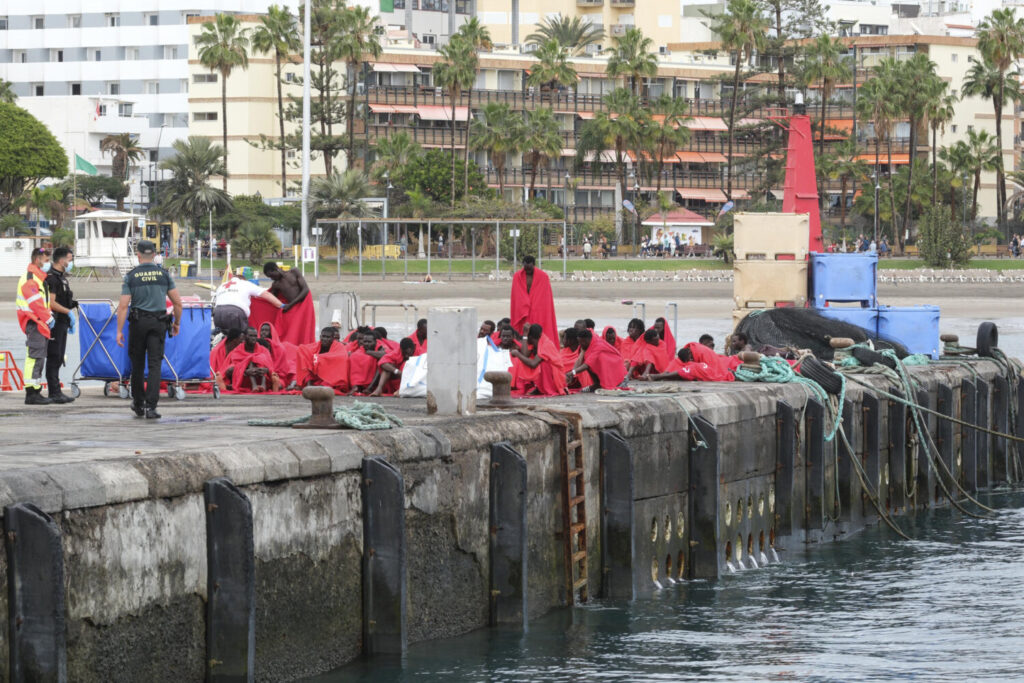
{"x": 488, "y": 358}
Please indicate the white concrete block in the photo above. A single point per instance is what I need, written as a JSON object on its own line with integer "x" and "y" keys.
{"x": 451, "y": 369}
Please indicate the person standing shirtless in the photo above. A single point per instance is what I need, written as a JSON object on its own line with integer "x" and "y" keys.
{"x": 288, "y": 286}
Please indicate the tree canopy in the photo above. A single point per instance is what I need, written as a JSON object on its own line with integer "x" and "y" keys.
{"x": 28, "y": 153}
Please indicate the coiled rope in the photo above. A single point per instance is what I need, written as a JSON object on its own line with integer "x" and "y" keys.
{"x": 360, "y": 415}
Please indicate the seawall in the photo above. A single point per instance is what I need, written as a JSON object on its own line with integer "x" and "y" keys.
{"x": 709, "y": 479}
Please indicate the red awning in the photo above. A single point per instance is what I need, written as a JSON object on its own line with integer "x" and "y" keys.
{"x": 396, "y": 68}
{"x": 585, "y": 114}
{"x": 435, "y": 112}
{"x": 713, "y": 158}
{"x": 883, "y": 160}
{"x": 382, "y": 108}
{"x": 710, "y": 123}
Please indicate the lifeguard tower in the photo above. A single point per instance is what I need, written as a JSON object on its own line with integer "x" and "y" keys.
{"x": 106, "y": 239}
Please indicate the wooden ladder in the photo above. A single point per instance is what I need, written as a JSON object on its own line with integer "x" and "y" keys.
{"x": 574, "y": 509}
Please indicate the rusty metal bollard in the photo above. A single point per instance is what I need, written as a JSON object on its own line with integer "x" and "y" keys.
{"x": 322, "y": 417}
{"x": 501, "y": 394}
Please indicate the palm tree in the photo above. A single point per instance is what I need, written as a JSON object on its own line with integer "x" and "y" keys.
{"x": 572, "y": 33}
{"x": 47, "y": 202}
{"x": 827, "y": 64}
{"x": 985, "y": 154}
{"x": 843, "y": 163}
{"x": 340, "y": 195}
{"x": 960, "y": 161}
{"x": 742, "y": 29}
{"x": 917, "y": 86}
{"x": 190, "y": 196}
{"x": 477, "y": 35}
{"x": 278, "y": 33}
{"x": 633, "y": 58}
{"x": 124, "y": 151}
{"x": 394, "y": 152}
{"x": 878, "y": 101}
{"x": 552, "y": 68}
{"x": 224, "y": 45}
{"x": 618, "y": 127}
{"x": 668, "y": 132}
{"x": 498, "y": 132}
{"x": 541, "y": 141}
{"x": 7, "y": 92}
{"x": 358, "y": 37}
{"x": 455, "y": 73}
{"x": 940, "y": 112}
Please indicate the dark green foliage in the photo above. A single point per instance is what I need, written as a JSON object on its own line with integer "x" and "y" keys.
{"x": 431, "y": 173}
{"x": 941, "y": 241}
{"x": 28, "y": 153}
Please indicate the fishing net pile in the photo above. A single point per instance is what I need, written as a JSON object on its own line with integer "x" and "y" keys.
{"x": 804, "y": 328}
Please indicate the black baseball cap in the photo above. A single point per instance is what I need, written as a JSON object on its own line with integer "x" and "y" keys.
{"x": 145, "y": 247}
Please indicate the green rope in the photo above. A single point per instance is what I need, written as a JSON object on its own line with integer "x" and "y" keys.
{"x": 777, "y": 370}
{"x": 362, "y": 416}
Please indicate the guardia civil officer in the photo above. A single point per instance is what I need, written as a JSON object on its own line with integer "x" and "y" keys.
{"x": 144, "y": 291}
{"x": 62, "y": 302}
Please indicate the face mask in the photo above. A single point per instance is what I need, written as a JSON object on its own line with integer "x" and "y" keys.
{"x": 69, "y": 267}
{"x": 46, "y": 267}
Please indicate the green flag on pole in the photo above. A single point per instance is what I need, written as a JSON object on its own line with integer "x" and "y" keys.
{"x": 83, "y": 165}
{"x": 388, "y": 5}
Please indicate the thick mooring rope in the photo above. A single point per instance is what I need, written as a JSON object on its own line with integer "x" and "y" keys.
{"x": 362, "y": 416}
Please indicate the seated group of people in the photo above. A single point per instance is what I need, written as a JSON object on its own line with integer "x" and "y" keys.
{"x": 365, "y": 362}
{"x": 581, "y": 359}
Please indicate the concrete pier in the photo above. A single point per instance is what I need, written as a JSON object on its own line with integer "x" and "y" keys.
{"x": 716, "y": 473}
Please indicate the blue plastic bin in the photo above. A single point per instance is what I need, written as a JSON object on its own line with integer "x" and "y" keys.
{"x": 101, "y": 357}
{"x": 916, "y": 327}
{"x": 866, "y": 318}
{"x": 844, "y": 277}
{"x": 189, "y": 350}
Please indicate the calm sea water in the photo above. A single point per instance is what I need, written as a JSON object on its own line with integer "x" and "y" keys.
{"x": 946, "y": 606}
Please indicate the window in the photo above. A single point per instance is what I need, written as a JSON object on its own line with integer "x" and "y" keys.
{"x": 76, "y": 88}
{"x": 113, "y": 88}
{"x": 38, "y": 22}
{"x": 289, "y": 77}
{"x": 152, "y": 87}
{"x": 290, "y": 154}
{"x": 131, "y": 54}
{"x": 74, "y": 21}
{"x": 152, "y": 19}
{"x": 204, "y": 116}
{"x": 97, "y": 55}
{"x": 3, "y": 23}
{"x": 170, "y": 51}
{"x": 970, "y": 129}
{"x": 428, "y": 39}
{"x": 204, "y": 78}
{"x": 954, "y": 57}
{"x": 113, "y": 20}
{"x": 154, "y": 156}
{"x": 183, "y": 85}
{"x": 19, "y": 56}
{"x": 953, "y": 128}
{"x": 56, "y": 55}
{"x": 124, "y": 109}
{"x": 101, "y": 110}
{"x": 37, "y": 89}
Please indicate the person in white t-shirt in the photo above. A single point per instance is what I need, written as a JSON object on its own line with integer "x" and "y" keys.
{"x": 231, "y": 305}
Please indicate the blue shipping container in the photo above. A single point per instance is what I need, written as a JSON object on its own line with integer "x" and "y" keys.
{"x": 866, "y": 318}
{"x": 916, "y": 327}
{"x": 844, "y": 277}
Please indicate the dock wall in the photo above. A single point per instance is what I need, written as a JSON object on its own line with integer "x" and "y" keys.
{"x": 719, "y": 475}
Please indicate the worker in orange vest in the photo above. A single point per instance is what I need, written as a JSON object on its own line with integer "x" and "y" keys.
{"x": 36, "y": 320}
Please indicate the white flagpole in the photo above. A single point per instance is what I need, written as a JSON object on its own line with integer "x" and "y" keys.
{"x": 307, "y": 29}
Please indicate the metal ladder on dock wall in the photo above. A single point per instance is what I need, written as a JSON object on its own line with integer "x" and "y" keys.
{"x": 574, "y": 509}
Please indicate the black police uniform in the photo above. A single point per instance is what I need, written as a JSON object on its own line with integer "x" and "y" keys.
{"x": 148, "y": 324}
{"x": 57, "y": 283}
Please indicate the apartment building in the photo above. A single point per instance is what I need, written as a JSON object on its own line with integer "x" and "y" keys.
{"x": 88, "y": 69}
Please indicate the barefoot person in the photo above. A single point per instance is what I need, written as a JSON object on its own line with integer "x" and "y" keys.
{"x": 251, "y": 366}
{"x": 537, "y": 370}
{"x": 601, "y": 361}
{"x": 323, "y": 363}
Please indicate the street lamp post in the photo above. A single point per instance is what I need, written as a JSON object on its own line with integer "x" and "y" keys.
{"x": 877, "y": 188}
{"x": 636, "y": 214}
{"x": 964, "y": 192}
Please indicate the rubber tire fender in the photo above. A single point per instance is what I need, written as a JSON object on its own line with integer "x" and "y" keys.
{"x": 988, "y": 339}
{"x": 868, "y": 357}
{"x": 814, "y": 369}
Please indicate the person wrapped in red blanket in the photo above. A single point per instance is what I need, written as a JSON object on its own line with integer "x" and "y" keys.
{"x": 362, "y": 364}
{"x": 390, "y": 368}
{"x": 601, "y": 361}
{"x": 250, "y": 366}
{"x": 668, "y": 345}
{"x": 296, "y": 321}
{"x": 283, "y": 353}
{"x": 572, "y": 357}
{"x": 532, "y": 300}
{"x": 696, "y": 362}
{"x": 634, "y": 335}
{"x": 419, "y": 337}
{"x": 538, "y": 371}
{"x": 323, "y": 363}
{"x": 610, "y": 335}
{"x": 648, "y": 356}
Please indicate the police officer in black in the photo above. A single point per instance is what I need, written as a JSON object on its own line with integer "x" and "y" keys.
{"x": 143, "y": 302}
{"x": 62, "y": 302}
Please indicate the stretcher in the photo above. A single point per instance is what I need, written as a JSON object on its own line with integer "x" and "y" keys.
{"x": 186, "y": 355}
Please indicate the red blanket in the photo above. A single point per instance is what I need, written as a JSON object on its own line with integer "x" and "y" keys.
{"x": 667, "y": 347}
{"x": 394, "y": 358}
{"x": 297, "y": 326}
{"x": 605, "y": 362}
{"x": 618, "y": 339}
{"x": 536, "y": 306}
{"x": 361, "y": 368}
{"x": 569, "y": 362}
{"x": 239, "y": 359}
{"x": 644, "y": 353}
{"x": 723, "y": 365}
{"x": 218, "y": 359}
{"x": 548, "y": 378}
{"x": 324, "y": 369}
{"x": 284, "y": 356}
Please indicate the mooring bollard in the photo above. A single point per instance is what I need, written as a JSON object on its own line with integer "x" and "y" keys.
{"x": 501, "y": 383}
{"x": 230, "y": 583}
{"x": 508, "y": 540}
{"x": 322, "y": 417}
{"x": 35, "y": 594}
